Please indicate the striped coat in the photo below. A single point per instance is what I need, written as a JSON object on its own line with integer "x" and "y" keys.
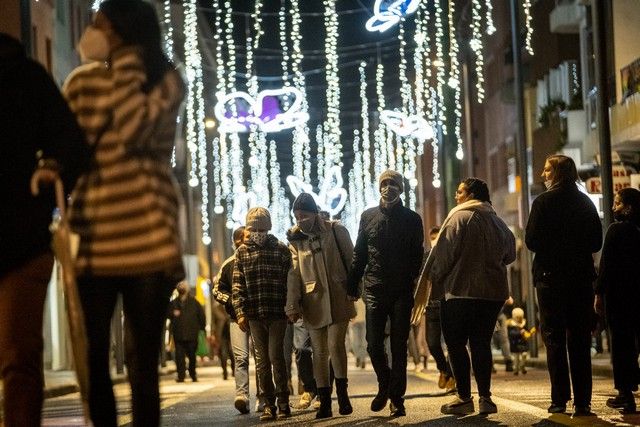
{"x": 125, "y": 209}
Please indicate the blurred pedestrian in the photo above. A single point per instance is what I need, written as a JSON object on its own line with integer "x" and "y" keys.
{"x": 564, "y": 231}
{"x": 125, "y": 208}
{"x": 618, "y": 293}
{"x": 187, "y": 320}
{"x": 38, "y": 131}
{"x": 470, "y": 261}
{"x": 519, "y": 337}
{"x": 387, "y": 258}
{"x": 240, "y": 340}
{"x": 321, "y": 257}
{"x": 357, "y": 335}
{"x": 259, "y": 295}
{"x": 446, "y": 380}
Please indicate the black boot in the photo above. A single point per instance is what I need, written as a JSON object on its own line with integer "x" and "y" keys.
{"x": 324, "y": 394}
{"x": 343, "y": 397}
{"x": 380, "y": 401}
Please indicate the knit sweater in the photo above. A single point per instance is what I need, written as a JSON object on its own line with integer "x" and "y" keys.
{"x": 125, "y": 209}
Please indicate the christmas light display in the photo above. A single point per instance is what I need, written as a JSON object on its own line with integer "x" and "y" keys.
{"x": 526, "y": 6}
{"x": 388, "y": 13}
{"x": 411, "y": 126}
{"x": 331, "y": 197}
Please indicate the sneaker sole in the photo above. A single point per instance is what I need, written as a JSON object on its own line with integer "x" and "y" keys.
{"x": 241, "y": 406}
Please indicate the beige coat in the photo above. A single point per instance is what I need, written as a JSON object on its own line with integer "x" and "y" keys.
{"x": 317, "y": 279}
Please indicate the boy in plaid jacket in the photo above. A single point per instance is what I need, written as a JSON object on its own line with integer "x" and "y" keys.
{"x": 259, "y": 294}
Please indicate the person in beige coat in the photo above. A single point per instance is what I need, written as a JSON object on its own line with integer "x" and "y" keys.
{"x": 321, "y": 255}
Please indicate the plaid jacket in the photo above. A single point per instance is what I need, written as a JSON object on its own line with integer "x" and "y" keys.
{"x": 259, "y": 288}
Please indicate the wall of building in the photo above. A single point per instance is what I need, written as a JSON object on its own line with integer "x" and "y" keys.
{"x": 626, "y": 36}
{"x": 10, "y": 18}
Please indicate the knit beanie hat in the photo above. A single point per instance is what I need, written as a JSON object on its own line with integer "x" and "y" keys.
{"x": 392, "y": 175}
{"x": 305, "y": 202}
{"x": 258, "y": 219}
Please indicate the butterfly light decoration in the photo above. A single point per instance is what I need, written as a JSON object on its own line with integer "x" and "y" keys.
{"x": 404, "y": 125}
{"x": 272, "y": 110}
{"x": 387, "y": 13}
{"x": 331, "y": 197}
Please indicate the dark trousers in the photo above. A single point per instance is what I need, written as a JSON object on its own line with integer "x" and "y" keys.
{"x": 466, "y": 320}
{"x": 566, "y": 320}
{"x": 186, "y": 349}
{"x": 22, "y": 295}
{"x": 434, "y": 337}
{"x": 304, "y": 360}
{"x": 398, "y": 310}
{"x": 625, "y": 339}
{"x": 145, "y": 301}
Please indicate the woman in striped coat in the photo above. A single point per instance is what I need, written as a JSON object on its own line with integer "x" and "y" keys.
{"x": 125, "y": 209}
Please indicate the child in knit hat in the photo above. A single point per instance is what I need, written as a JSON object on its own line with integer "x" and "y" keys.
{"x": 259, "y": 295}
{"x": 519, "y": 340}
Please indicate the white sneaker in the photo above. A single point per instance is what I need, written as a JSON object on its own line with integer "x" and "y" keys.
{"x": 259, "y": 406}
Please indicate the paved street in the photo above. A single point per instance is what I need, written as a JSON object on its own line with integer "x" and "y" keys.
{"x": 521, "y": 400}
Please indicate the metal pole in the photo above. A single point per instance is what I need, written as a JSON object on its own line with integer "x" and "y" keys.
{"x": 521, "y": 150}
{"x": 602, "y": 100}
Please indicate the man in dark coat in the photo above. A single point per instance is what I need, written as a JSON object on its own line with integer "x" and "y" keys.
{"x": 187, "y": 320}
{"x": 387, "y": 258}
{"x": 35, "y": 124}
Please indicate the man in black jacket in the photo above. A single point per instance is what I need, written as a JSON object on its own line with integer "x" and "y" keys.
{"x": 35, "y": 124}
{"x": 187, "y": 320}
{"x": 387, "y": 258}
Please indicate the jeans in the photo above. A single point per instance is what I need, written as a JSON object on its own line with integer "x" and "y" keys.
{"x": 304, "y": 361}
{"x": 240, "y": 343}
{"x": 467, "y": 320}
{"x": 146, "y": 300}
{"x": 566, "y": 323}
{"x": 398, "y": 310}
{"x": 329, "y": 342}
{"x": 434, "y": 338}
{"x": 186, "y": 349}
{"x": 268, "y": 337}
{"x": 22, "y": 294}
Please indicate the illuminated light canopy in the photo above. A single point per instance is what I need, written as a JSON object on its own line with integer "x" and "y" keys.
{"x": 239, "y": 111}
{"x": 388, "y": 13}
{"x": 331, "y": 198}
{"x": 412, "y": 126}
{"x": 242, "y": 202}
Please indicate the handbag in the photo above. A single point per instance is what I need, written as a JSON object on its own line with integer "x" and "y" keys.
{"x": 203, "y": 347}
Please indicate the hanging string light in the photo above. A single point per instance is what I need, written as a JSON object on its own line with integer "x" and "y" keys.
{"x": 379, "y": 135}
{"x": 168, "y": 30}
{"x": 435, "y": 167}
{"x": 454, "y": 79}
{"x": 405, "y": 87}
{"x": 489, "y": 17}
{"x": 282, "y": 24}
{"x": 366, "y": 144}
{"x": 526, "y": 6}
{"x": 221, "y": 165}
{"x": 441, "y": 72}
{"x": 476, "y": 46}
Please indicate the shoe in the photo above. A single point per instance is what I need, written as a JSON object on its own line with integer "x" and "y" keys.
{"x": 557, "y": 409}
{"x": 459, "y": 406}
{"x": 259, "y": 406}
{"x": 442, "y": 379}
{"x": 516, "y": 373}
{"x": 194, "y": 379}
{"x": 179, "y": 380}
{"x": 344, "y": 404}
{"x": 624, "y": 401}
{"x": 241, "y": 403}
{"x": 380, "y": 401}
{"x": 358, "y": 362}
{"x": 363, "y": 364}
{"x": 508, "y": 366}
{"x": 451, "y": 385}
{"x": 397, "y": 409}
{"x": 284, "y": 410}
{"x": 305, "y": 400}
{"x": 268, "y": 414}
{"x": 324, "y": 397}
{"x": 582, "y": 411}
{"x": 486, "y": 406}
{"x": 524, "y": 371}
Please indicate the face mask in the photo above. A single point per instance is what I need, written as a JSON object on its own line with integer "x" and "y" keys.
{"x": 259, "y": 237}
{"x": 390, "y": 194}
{"x": 307, "y": 224}
{"x": 93, "y": 45}
{"x": 548, "y": 183}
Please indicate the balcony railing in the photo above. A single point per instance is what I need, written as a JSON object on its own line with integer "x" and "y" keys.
{"x": 625, "y": 120}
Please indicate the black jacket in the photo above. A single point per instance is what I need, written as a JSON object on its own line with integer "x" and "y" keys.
{"x": 388, "y": 251}
{"x": 33, "y": 117}
{"x": 187, "y": 319}
{"x": 223, "y": 284}
{"x": 564, "y": 230}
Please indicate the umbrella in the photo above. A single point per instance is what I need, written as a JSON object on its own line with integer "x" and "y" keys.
{"x": 62, "y": 242}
